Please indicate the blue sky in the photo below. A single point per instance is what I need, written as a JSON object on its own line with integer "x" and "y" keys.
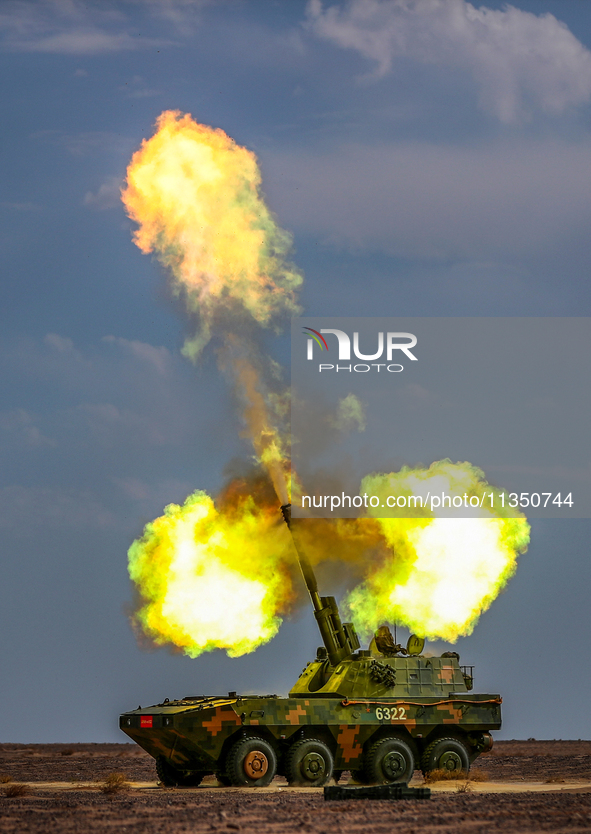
{"x": 430, "y": 158}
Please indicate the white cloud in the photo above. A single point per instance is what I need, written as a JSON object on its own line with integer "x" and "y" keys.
{"x": 5, "y": 204}
{"x": 75, "y": 27}
{"x": 182, "y": 14}
{"x": 152, "y": 496}
{"x": 521, "y": 62}
{"x": 87, "y": 142}
{"x": 137, "y": 88}
{"x": 494, "y": 202}
{"x": 85, "y": 42}
{"x": 159, "y": 357}
{"x": 26, "y": 510}
{"x": 113, "y": 431}
{"x": 120, "y": 393}
{"x": 61, "y": 344}
{"x": 110, "y": 425}
{"x": 107, "y": 197}
{"x": 19, "y": 427}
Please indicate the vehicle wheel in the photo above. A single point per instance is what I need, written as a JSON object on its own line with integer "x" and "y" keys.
{"x": 308, "y": 762}
{"x": 251, "y": 762}
{"x": 389, "y": 760}
{"x": 445, "y": 754}
{"x": 173, "y": 778}
{"x": 222, "y": 779}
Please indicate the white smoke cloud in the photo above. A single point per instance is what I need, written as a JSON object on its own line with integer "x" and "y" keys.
{"x": 350, "y": 414}
{"x": 521, "y": 62}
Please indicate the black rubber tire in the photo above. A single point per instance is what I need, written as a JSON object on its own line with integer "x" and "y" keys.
{"x": 446, "y": 754}
{"x": 173, "y": 778}
{"x": 308, "y": 762}
{"x": 388, "y": 761}
{"x": 236, "y": 760}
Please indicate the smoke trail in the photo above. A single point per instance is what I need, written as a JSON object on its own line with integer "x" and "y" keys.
{"x": 196, "y": 196}
{"x": 219, "y": 575}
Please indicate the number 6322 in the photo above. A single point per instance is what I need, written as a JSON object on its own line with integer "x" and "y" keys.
{"x": 391, "y": 713}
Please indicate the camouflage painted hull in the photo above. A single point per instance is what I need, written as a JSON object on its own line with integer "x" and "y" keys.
{"x": 196, "y": 734}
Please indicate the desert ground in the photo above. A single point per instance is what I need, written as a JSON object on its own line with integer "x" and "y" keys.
{"x": 521, "y": 786}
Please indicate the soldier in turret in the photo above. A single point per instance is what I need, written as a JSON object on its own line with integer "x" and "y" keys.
{"x": 383, "y": 643}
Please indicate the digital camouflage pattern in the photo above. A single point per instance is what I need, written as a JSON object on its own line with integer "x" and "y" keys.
{"x": 349, "y": 712}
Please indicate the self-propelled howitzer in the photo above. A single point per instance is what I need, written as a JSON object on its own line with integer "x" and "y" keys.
{"x": 379, "y": 713}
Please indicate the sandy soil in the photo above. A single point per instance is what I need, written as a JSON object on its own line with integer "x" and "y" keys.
{"x": 548, "y": 806}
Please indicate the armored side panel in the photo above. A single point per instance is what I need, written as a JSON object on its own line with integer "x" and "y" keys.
{"x": 196, "y": 735}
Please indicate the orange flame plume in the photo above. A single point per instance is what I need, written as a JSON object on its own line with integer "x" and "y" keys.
{"x": 196, "y": 196}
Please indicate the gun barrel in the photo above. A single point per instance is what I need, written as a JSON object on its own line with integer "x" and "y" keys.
{"x": 307, "y": 570}
{"x": 339, "y": 638}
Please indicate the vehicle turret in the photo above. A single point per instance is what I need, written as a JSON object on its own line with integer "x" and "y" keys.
{"x": 341, "y": 669}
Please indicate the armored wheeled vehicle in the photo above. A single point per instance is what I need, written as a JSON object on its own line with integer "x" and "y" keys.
{"x": 379, "y": 712}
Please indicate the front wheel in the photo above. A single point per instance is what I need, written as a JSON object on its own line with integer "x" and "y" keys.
{"x": 389, "y": 760}
{"x": 447, "y": 754}
{"x": 309, "y": 762}
{"x": 171, "y": 777}
{"x": 251, "y": 763}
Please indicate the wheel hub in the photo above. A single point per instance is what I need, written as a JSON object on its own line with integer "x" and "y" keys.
{"x": 256, "y": 764}
{"x": 393, "y": 765}
{"x": 450, "y": 761}
{"x": 313, "y": 766}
